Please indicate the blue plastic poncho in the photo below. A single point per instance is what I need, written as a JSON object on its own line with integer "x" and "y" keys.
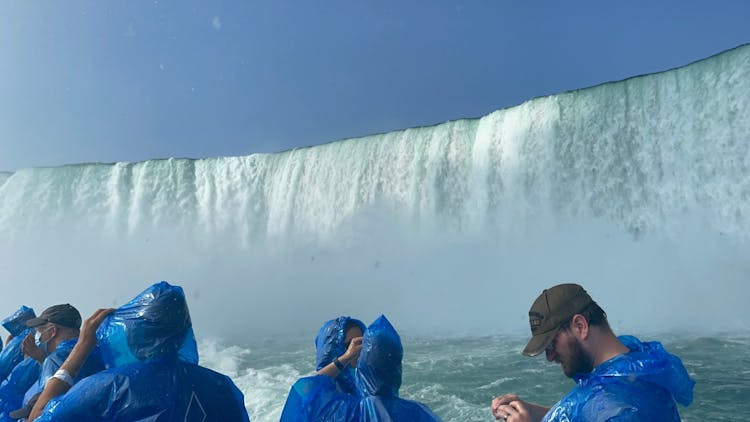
{"x": 329, "y": 344}
{"x": 642, "y": 385}
{"x": 317, "y": 398}
{"x": 153, "y": 375}
{"x": 54, "y": 361}
{"x": 12, "y": 389}
{"x": 155, "y": 323}
{"x": 378, "y": 379}
{"x": 12, "y": 354}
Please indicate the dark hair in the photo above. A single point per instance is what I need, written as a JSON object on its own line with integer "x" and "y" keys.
{"x": 594, "y": 315}
{"x": 351, "y": 323}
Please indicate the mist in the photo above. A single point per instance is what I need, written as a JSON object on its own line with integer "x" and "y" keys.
{"x": 638, "y": 190}
{"x": 427, "y": 283}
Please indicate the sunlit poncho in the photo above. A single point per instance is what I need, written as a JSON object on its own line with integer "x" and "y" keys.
{"x": 12, "y": 355}
{"x": 329, "y": 344}
{"x": 642, "y": 385}
{"x": 378, "y": 379}
{"x": 17, "y": 374}
{"x": 153, "y": 374}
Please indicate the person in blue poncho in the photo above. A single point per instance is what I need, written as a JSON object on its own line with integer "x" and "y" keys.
{"x": 153, "y": 374}
{"x": 25, "y": 371}
{"x": 377, "y": 380}
{"x": 617, "y": 379}
{"x": 56, "y": 333}
{"x": 337, "y": 347}
{"x": 12, "y": 354}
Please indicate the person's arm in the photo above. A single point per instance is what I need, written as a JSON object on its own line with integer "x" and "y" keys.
{"x": 352, "y": 353}
{"x": 511, "y": 408}
{"x": 61, "y": 382}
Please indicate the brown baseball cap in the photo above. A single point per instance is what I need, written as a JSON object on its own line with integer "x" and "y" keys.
{"x": 550, "y": 311}
{"x": 65, "y": 315}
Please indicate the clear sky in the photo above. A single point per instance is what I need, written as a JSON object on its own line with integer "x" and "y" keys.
{"x": 126, "y": 80}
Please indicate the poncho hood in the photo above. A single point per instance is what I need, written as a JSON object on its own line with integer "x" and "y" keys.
{"x": 15, "y": 323}
{"x": 155, "y": 324}
{"x": 379, "y": 365}
{"x": 648, "y": 362}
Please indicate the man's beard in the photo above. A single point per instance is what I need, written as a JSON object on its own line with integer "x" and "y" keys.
{"x": 579, "y": 362}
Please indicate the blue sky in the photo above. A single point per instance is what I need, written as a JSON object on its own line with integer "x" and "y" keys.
{"x": 106, "y": 81}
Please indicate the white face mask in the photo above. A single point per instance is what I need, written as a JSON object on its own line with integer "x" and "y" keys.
{"x": 42, "y": 344}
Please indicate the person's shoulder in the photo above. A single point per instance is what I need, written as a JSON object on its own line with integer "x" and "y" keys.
{"x": 61, "y": 352}
{"x": 207, "y": 378}
{"x": 205, "y": 373}
{"x": 372, "y": 408}
{"x": 105, "y": 379}
{"x": 316, "y": 387}
{"x": 624, "y": 399}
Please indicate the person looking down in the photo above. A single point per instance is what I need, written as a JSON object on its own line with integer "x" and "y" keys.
{"x": 617, "y": 378}
{"x": 152, "y": 370}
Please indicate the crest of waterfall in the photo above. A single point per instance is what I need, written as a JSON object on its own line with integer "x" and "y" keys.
{"x": 647, "y": 157}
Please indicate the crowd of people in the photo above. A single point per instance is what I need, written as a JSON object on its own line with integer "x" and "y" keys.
{"x": 139, "y": 362}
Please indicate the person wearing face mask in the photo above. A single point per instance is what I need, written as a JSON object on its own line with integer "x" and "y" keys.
{"x": 149, "y": 348}
{"x": 55, "y": 334}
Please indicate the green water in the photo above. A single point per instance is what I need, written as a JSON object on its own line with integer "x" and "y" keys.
{"x": 457, "y": 377}
{"x": 460, "y": 381}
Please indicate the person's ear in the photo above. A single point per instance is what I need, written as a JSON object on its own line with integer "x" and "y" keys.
{"x": 580, "y": 327}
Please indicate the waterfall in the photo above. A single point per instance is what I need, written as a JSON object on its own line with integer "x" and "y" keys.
{"x": 592, "y": 184}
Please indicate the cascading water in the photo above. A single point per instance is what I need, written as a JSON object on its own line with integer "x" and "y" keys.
{"x": 638, "y": 189}
{"x": 4, "y": 176}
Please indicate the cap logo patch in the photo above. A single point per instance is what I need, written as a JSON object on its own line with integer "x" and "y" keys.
{"x": 535, "y": 320}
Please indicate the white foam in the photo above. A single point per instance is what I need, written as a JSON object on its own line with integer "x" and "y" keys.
{"x": 265, "y": 388}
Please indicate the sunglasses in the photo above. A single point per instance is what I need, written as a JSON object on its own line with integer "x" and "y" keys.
{"x": 553, "y": 344}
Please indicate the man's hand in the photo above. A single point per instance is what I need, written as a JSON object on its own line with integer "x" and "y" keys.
{"x": 31, "y": 350}
{"x": 511, "y": 408}
{"x": 352, "y": 353}
{"x": 87, "y": 337}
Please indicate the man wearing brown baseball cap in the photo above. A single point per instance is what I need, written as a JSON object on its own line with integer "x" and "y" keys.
{"x": 618, "y": 378}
